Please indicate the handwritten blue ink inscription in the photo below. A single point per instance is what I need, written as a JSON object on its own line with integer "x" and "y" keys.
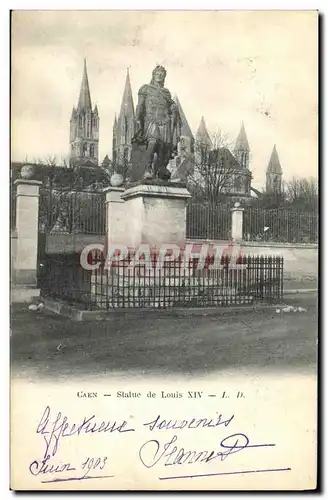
{"x": 164, "y": 448}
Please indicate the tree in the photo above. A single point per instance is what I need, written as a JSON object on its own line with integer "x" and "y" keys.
{"x": 215, "y": 169}
{"x": 121, "y": 164}
{"x": 302, "y": 193}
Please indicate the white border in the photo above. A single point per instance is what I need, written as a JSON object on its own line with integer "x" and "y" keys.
{"x": 4, "y": 198}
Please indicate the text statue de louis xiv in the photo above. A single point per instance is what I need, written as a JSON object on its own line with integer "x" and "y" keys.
{"x": 158, "y": 127}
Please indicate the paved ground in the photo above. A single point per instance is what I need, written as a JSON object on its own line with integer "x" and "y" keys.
{"x": 163, "y": 344}
{"x": 293, "y": 284}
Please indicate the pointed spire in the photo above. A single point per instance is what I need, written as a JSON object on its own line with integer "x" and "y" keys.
{"x": 127, "y": 107}
{"x": 96, "y": 110}
{"x": 105, "y": 162}
{"x": 242, "y": 142}
{"x": 73, "y": 113}
{"x": 185, "y": 129}
{"x": 202, "y": 136}
{"x": 274, "y": 165}
{"x": 84, "y": 98}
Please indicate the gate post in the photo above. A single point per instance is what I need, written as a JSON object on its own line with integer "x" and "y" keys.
{"x": 115, "y": 215}
{"x": 237, "y": 216}
{"x": 27, "y": 217}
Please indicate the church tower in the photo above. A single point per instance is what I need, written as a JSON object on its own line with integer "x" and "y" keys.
{"x": 186, "y": 136}
{"x": 124, "y": 127}
{"x": 203, "y": 139}
{"x": 274, "y": 174}
{"x": 242, "y": 150}
{"x": 203, "y": 143}
{"x": 84, "y": 128}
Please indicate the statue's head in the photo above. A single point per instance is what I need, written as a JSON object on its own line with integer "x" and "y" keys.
{"x": 158, "y": 75}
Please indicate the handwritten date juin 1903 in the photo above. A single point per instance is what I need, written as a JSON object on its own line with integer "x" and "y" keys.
{"x": 166, "y": 450}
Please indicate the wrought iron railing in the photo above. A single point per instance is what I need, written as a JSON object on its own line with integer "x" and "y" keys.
{"x": 280, "y": 225}
{"x": 61, "y": 276}
{"x": 208, "y": 221}
{"x": 176, "y": 284}
{"x": 72, "y": 211}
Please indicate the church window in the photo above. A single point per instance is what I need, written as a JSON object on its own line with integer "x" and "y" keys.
{"x": 92, "y": 150}
{"x": 85, "y": 150}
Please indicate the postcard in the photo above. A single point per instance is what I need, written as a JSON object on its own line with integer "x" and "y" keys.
{"x": 164, "y": 250}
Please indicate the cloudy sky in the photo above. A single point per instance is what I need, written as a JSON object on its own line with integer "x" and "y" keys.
{"x": 259, "y": 67}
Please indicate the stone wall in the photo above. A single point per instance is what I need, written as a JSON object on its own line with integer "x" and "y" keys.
{"x": 68, "y": 243}
{"x": 300, "y": 259}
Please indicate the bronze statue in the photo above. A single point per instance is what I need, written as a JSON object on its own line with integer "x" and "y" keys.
{"x": 158, "y": 128}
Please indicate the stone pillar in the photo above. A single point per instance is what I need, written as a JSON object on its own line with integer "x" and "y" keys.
{"x": 115, "y": 215}
{"x": 27, "y": 217}
{"x": 237, "y": 215}
{"x": 155, "y": 213}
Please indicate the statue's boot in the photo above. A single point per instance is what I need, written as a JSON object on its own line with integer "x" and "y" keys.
{"x": 164, "y": 174}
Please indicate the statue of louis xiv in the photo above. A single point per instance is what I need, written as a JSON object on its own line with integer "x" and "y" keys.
{"x": 158, "y": 128}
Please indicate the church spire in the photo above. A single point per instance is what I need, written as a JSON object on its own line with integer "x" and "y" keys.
{"x": 202, "y": 135}
{"x": 127, "y": 107}
{"x": 274, "y": 165}
{"x": 242, "y": 148}
{"x": 84, "y": 97}
{"x": 185, "y": 129}
{"x": 242, "y": 141}
{"x": 84, "y": 128}
{"x": 274, "y": 174}
{"x": 123, "y": 130}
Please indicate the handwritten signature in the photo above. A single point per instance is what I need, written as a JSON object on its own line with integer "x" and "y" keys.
{"x": 152, "y": 452}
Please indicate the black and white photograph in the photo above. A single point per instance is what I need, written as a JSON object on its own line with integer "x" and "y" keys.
{"x": 164, "y": 230}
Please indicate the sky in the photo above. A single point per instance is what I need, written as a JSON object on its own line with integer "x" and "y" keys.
{"x": 260, "y": 67}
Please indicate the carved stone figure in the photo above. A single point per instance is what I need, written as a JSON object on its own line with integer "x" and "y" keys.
{"x": 158, "y": 128}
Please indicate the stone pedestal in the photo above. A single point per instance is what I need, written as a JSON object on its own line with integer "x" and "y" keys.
{"x": 237, "y": 215}
{"x": 27, "y": 216}
{"x": 155, "y": 213}
{"x": 115, "y": 215}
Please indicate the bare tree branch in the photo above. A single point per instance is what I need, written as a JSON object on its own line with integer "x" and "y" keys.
{"x": 215, "y": 169}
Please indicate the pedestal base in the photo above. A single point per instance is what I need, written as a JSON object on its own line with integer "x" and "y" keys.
{"x": 155, "y": 214}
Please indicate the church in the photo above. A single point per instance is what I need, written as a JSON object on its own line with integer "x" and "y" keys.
{"x": 232, "y": 164}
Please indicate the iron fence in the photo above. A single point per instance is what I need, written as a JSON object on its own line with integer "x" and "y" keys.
{"x": 72, "y": 211}
{"x": 280, "y": 225}
{"x": 207, "y": 221}
{"x": 62, "y": 277}
{"x": 177, "y": 284}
